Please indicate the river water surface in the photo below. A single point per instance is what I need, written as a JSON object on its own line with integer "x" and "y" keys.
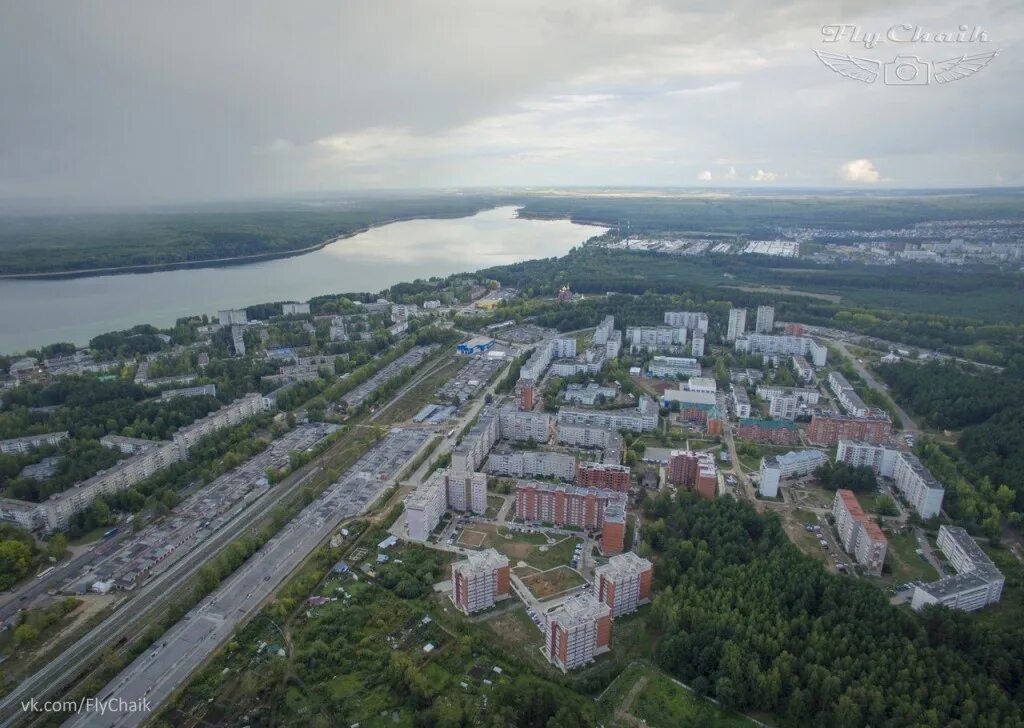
{"x": 39, "y": 312}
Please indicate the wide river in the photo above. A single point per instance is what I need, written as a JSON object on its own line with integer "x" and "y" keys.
{"x": 40, "y": 312}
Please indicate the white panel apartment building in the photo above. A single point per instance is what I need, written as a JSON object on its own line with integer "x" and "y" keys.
{"x": 771, "y": 345}
{"x": 229, "y": 415}
{"x": 803, "y": 368}
{"x": 425, "y": 506}
{"x": 692, "y": 320}
{"x": 668, "y": 367}
{"x": 860, "y": 537}
{"x": 737, "y": 324}
{"x": 740, "y": 402}
{"x": 777, "y": 468}
{"x": 604, "y": 331}
{"x": 912, "y": 479}
{"x": 977, "y": 582}
{"x": 655, "y": 338}
{"x": 848, "y": 399}
{"x": 642, "y": 419}
{"x": 765, "y": 321}
{"x": 442, "y": 490}
{"x": 697, "y": 344}
{"x": 521, "y": 426}
{"x": 532, "y": 463}
{"x": 18, "y": 445}
{"x": 468, "y": 454}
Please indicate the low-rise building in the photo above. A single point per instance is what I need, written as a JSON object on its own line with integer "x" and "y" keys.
{"x": 624, "y": 583}
{"x": 589, "y": 394}
{"x": 479, "y": 581}
{"x": 977, "y": 583}
{"x": 204, "y": 390}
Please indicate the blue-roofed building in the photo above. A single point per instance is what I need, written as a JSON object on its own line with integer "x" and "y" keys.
{"x": 476, "y": 345}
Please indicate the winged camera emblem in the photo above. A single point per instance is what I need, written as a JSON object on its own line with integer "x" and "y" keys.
{"x": 905, "y": 70}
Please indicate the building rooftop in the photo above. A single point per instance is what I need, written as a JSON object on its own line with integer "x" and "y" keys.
{"x": 579, "y": 609}
{"x": 799, "y": 457}
{"x": 482, "y": 561}
{"x": 627, "y": 563}
{"x": 768, "y": 424}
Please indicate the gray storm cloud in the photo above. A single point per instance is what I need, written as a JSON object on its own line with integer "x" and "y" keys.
{"x": 136, "y": 103}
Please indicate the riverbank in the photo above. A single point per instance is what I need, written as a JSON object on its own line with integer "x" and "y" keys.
{"x": 225, "y": 261}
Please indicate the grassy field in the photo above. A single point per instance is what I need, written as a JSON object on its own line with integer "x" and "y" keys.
{"x": 533, "y": 548}
{"x": 1009, "y": 612}
{"x": 553, "y": 582}
{"x": 422, "y": 392}
{"x": 906, "y": 565}
{"x": 644, "y": 693}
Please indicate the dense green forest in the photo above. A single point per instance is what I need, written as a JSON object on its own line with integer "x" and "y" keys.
{"x": 987, "y": 407}
{"x": 33, "y": 244}
{"x": 751, "y": 621}
{"x": 760, "y": 215}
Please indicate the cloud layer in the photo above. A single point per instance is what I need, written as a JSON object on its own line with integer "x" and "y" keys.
{"x": 121, "y": 102}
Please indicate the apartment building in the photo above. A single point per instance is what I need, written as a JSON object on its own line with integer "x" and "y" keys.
{"x": 607, "y": 439}
{"x": 697, "y": 344}
{"x": 604, "y": 331}
{"x": 671, "y": 367}
{"x": 425, "y": 506}
{"x": 803, "y": 368}
{"x": 229, "y": 415}
{"x": 18, "y": 445}
{"x": 977, "y": 582}
{"x": 694, "y": 470}
{"x": 578, "y": 631}
{"x": 912, "y": 480}
{"x": 848, "y": 399}
{"x": 232, "y": 317}
{"x": 740, "y": 402}
{"x": 526, "y": 394}
{"x": 472, "y": 450}
{"x": 777, "y": 468}
{"x": 295, "y": 309}
{"x": 479, "y": 581}
{"x": 642, "y": 419}
{"x": 765, "y": 321}
{"x": 860, "y": 537}
{"x": 692, "y": 320}
{"x": 466, "y": 491}
{"x": 776, "y": 432}
{"x": 624, "y": 583}
{"x": 531, "y": 464}
{"x": 205, "y": 390}
{"x": 520, "y": 425}
{"x": 603, "y": 476}
{"x": 737, "y": 324}
{"x": 772, "y": 345}
{"x": 588, "y": 394}
{"x": 563, "y": 505}
{"x": 655, "y": 338}
{"x": 828, "y": 428}
{"x": 613, "y": 530}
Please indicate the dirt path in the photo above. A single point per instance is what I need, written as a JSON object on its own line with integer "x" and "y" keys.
{"x": 622, "y": 712}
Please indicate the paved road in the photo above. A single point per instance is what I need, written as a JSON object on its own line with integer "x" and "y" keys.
{"x": 157, "y": 673}
{"x": 144, "y": 606}
{"x": 906, "y": 421}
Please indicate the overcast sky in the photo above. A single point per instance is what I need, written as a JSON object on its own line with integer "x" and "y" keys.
{"x": 140, "y": 102}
